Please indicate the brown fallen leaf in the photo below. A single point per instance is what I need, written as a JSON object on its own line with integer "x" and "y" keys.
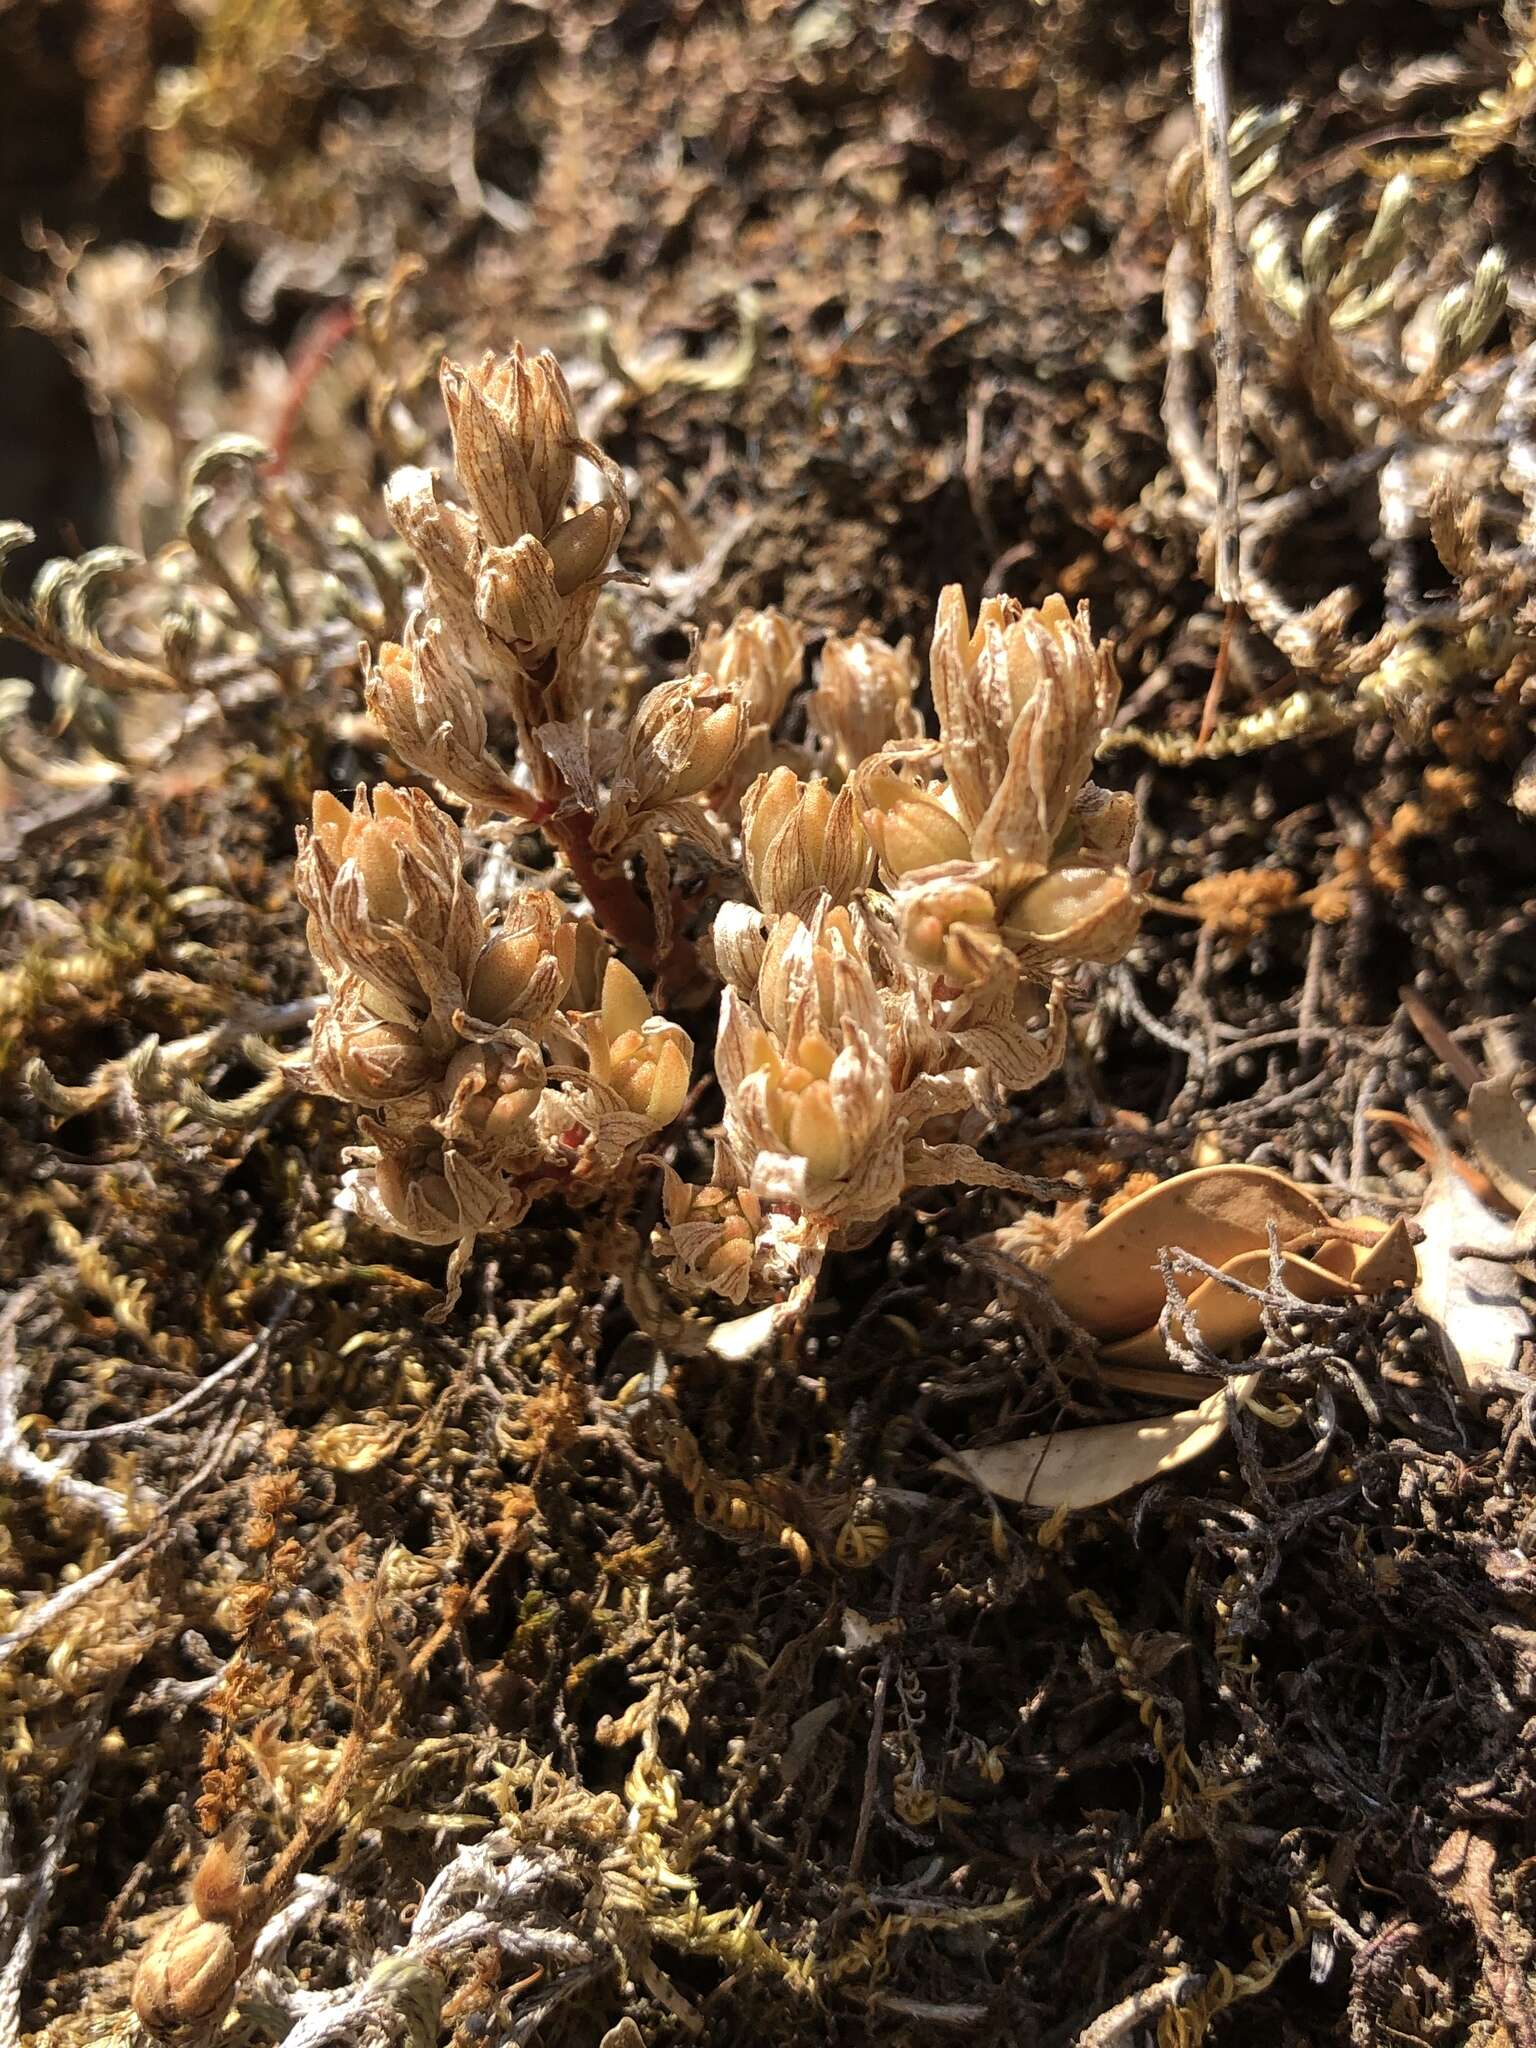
{"x": 806, "y": 1738}
{"x": 1110, "y": 1280}
{"x": 1227, "y": 1319}
{"x": 1083, "y": 1468}
{"x": 1473, "y": 1305}
{"x": 1389, "y": 1262}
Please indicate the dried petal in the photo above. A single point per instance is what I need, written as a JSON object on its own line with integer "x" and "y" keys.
{"x": 359, "y": 1058}
{"x": 1073, "y": 913}
{"x": 524, "y": 968}
{"x": 443, "y": 536}
{"x": 909, "y": 825}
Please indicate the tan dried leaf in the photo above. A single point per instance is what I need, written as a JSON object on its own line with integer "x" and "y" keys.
{"x": 1083, "y": 1468}
{"x": 1504, "y": 1134}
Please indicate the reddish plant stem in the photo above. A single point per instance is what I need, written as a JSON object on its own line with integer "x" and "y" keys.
{"x": 315, "y": 349}
{"x": 1217, "y": 691}
{"x": 616, "y": 903}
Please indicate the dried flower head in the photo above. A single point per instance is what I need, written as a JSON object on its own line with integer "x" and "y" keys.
{"x": 685, "y": 738}
{"x": 759, "y": 656}
{"x": 863, "y": 698}
{"x": 522, "y": 971}
{"x": 514, "y": 442}
{"x": 186, "y": 1977}
{"x": 419, "y": 1186}
{"x": 492, "y": 1093}
{"x": 709, "y": 1239}
{"x": 800, "y": 841}
{"x": 969, "y": 922}
{"x": 432, "y": 717}
{"x": 360, "y": 1057}
{"x": 515, "y": 578}
{"x": 639, "y": 1057}
{"x": 1022, "y": 703}
{"x": 807, "y": 1080}
{"x": 414, "y": 969}
{"x": 387, "y": 900}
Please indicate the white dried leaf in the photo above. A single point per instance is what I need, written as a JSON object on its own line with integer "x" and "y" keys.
{"x": 1473, "y": 1305}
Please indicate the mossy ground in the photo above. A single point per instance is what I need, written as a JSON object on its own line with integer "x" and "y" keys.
{"x": 1010, "y": 1772}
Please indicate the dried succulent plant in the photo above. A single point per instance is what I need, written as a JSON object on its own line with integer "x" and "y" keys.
{"x": 901, "y": 971}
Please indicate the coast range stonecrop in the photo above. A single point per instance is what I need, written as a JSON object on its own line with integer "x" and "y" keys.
{"x": 893, "y": 967}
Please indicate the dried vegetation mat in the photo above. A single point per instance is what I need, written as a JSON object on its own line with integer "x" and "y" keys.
{"x": 768, "y": 1183}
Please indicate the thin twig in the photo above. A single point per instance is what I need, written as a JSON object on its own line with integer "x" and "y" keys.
{"x": 1312, "y": 987}
{"x": 17, "y": 1457}
{"x": 141, "y": 1425}
{"x": 1210, "y": 710}
{"x": 1114, "y": 2025}
{"x": 1434, "y": 1034}
{"x": 1208, "y": 68}
{"x": 1130, "y": 997}
{"x": 14, "y": 1973}
{"x": 44, "y": 1613}
{"x": 876, "y": 1736}
{"x": 1359, "y": 1135}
